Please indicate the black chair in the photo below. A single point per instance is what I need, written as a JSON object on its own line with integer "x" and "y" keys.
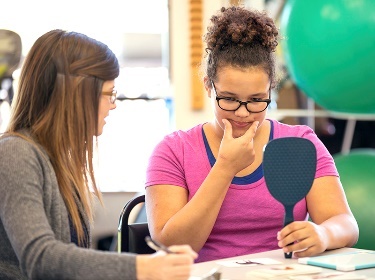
{"x": 131, "y": 237}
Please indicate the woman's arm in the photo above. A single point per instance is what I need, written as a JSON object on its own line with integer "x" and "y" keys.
{"x": 173, "y": 219}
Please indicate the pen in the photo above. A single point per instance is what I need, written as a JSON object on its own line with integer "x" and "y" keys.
{"x": 157, "y": 246}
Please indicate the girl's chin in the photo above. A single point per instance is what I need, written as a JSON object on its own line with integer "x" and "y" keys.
{"x": 239, "y": 131}
{"x": 100, "y": 129}
{"x": 237, "y": 134}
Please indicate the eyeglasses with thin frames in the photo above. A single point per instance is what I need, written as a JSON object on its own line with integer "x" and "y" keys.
{"x": 256, "y": 105}
{"x": 112, "y": 94}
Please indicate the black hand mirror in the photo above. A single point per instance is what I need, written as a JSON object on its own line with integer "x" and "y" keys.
{"x": 289, "y": 166}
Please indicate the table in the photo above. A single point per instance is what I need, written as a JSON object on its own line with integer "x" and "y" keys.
{"x": 239, "y": 273}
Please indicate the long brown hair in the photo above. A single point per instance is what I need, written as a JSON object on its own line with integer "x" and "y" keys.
{"x": 58, "y": 102}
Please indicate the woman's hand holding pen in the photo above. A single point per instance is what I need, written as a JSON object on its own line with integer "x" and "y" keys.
{"x": 162, "y": 265}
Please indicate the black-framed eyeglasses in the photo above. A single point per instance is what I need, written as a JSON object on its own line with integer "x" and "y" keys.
{"x": 255, "y": 105}
{"x": 112, "y": 94}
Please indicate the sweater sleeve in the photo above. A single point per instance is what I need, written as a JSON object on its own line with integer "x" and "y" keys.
{"x": 34, "y": 228}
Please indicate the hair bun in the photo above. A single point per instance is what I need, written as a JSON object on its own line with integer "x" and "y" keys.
{"x": 241, "y": 27}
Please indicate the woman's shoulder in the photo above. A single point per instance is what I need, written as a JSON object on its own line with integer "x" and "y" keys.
{"x": 20, "y": 145}
{"x": 181, "y": 141}
{"x": 11, "y": 141}
{"x": 191, "y": 134}
{"x": 19, "y": 140}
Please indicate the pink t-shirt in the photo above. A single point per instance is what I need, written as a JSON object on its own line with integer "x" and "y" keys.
{"x": 250, "y": 217}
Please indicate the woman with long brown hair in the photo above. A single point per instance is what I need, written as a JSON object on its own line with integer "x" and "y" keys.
{"x": 66, "y": 90}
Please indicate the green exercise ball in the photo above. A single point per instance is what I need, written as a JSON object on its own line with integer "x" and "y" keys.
{"x": 357, "y": 173}
{"x": 329, "y": 50}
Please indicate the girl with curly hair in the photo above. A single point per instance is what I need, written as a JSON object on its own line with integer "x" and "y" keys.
{"x": 205, "y": 186}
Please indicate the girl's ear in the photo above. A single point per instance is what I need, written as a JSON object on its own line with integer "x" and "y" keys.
{"x": 207, "y": 85}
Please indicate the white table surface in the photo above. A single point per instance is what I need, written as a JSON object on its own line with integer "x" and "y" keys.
{"x": 239, "y": 273}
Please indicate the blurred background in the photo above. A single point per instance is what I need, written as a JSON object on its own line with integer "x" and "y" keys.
{"x": 325, "y": 70}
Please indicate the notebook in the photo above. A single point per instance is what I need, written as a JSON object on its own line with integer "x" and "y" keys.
{"x": 344, "y": 261}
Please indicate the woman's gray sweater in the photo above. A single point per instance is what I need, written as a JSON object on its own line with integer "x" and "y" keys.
{"x": 35, "y": 241}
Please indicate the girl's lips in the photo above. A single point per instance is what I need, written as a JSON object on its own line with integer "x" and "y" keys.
{"x": 240, "y": 124}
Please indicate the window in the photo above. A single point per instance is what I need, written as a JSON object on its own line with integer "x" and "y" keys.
{"x": 133, "y": 129}
{"x": 139, "y": 37}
